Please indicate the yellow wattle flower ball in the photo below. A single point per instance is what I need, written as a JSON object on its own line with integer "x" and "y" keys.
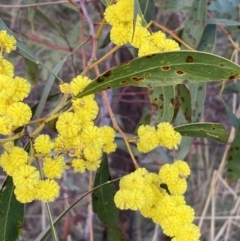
{"x": 111, "y": 15}
{"x": 20, "y": 113}
{"x": 147, "y": 49}
{"x": 139, "y": 36}
{"x": 167, "y": 136}
{"x": 24, "y": 194}
{"x": 188, "y": 232}
{"x": 123, "y": 199}
{"x": 7, "y": 87}
{"x": 22, "y": 89}
{"x": 65, "y": 88}
{"x": 92, "y": 153}
{"x": 168, "y": 174}
{"x": 26, "y": 176}
{"x": 92, "y": 137}
{"x": 12, "y": 161}
{"x": 120, "y": 33}
{"x": 92, "y": 165}
{"x": 78, "y": 165}
{"x": 47, "y": 190}
{"x": 147, "y": 138}
{"x": 79, "y": 83}
{"x": 169, "y": 45}
{"x": 86, "y": 108}
{"x": 157, "y": 38}
{"x": 183, "y": 168}
{"x": 53, "y": 168}
{"x": 7, "y": 42}
{"x": 109, "y": 147}
{"x": 68, "y": 125}
{"x": 43, "y": 144}
{"x": 132, "y": 181}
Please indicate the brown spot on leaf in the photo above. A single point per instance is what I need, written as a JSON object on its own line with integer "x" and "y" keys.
{"x": 147, "y": 75}
{"x": 137, "y": 79}
{"x": 197, "y": 22}
{"x": 189, "y": 59}
{"x": 180, "y": 72}
{"x": 100, "y": 79}
{"x": 182, "y": 98}
{"x": 165, "y": 68}
{"x": 150, "y": 56}
{"x": 106, "y": 74}
{"x": 193, "y": 40}
{"x": 231, "y": 77}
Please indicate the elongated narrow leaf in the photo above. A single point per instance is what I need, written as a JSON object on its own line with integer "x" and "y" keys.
{"x": 148, "y": 9}
{"x": 233, "y": 118}
{"x": 197, "y": 91}
{"x": 205, "y": 130}
{"x": 103, "y": 204}
{"x": 222, "y": 21}
{"x": 233, "y": 159}
{"x": 163, "y": 69}
{"x": 47, "y": 89}
{"x": 208, "y": 40}
{"x": 174, "y": 6}
{"x": 194, "y": 27}
{"x": 184, "y": 100}
{"x": 162, "y": 101}
{"x": 11, "y": 213}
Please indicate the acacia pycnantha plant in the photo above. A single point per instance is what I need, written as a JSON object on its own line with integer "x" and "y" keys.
{"x": 81, "y": 145}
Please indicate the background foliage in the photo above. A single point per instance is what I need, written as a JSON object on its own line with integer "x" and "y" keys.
{"x": 53, "y": 30}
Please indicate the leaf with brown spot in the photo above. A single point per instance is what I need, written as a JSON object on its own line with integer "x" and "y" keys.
{"x": 205, "y": 67}
{"x": 233, "y": 159}
{"x": 184, "y": 99}
{"x": 194, "y": 27}
{"x": 213, "y": 131}
{"x": 162, "y": 106}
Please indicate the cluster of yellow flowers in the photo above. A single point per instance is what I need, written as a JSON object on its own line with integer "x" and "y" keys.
{"x": 79, "y": 141}
{"x": 120, "y": 16}
{"x": 149, "y": 137}
{"x": 160, "y": 197}
{"x": 13, "y": 112}
{"x": 78, "y": 135}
